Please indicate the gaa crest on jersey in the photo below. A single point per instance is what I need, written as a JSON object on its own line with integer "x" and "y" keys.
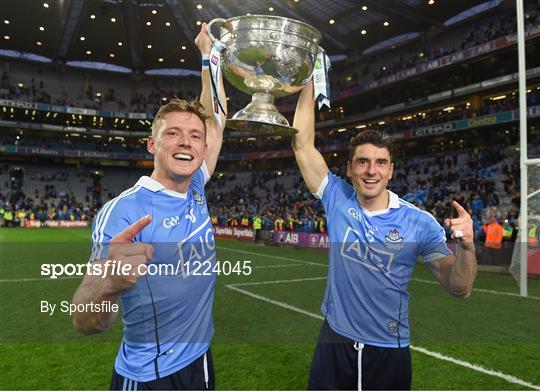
{"x": 198, "y": 197}
{"x": 393, "y": 236}
{"x": 392, "y": 326}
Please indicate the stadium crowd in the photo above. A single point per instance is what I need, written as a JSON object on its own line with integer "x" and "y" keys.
{"x": 485, "y": 180}
{"x": 475, "y": 178}
{"x": 36, "y": 91}
{"x": 46, "y": 202}
{"x": 396, "y": 124}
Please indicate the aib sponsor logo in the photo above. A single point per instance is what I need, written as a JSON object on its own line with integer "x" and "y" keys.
{"x": 287, "y": 237}
{"x": 319, "y": 241}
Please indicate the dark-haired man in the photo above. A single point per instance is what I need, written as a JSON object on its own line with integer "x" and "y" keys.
{"x": 375, "y": 240}
{"x": 158, "y": 231}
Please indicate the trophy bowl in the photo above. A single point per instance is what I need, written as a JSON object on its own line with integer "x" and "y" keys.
{"x": 266, "y": 57}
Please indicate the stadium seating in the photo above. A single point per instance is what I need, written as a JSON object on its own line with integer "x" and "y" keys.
{"x": 78, "y": 88}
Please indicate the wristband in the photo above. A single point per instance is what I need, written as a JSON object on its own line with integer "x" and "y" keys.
{"x": 205, "y": 60}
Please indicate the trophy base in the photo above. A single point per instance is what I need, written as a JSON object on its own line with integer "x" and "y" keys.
{"x": 259, "y": 128}
{"x": 261, "y": 118}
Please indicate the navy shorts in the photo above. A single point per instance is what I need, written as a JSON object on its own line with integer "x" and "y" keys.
{"x": 199, "y": 375}
{"x": 339, "y": 362}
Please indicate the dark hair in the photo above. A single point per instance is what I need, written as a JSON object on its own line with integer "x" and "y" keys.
{"x": 179, "y": 105}
{"x": 369, "y": 136}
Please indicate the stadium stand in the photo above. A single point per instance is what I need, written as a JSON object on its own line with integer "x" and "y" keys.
{"x": 88, "y": 89}
{"x": 440, "y": 115}
{"x": 480, "y": 179}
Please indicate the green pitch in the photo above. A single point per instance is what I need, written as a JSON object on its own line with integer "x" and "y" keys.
{"x": 265, "y": 330}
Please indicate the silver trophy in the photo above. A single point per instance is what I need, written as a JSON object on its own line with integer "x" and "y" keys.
{"x": 266, "y": 57}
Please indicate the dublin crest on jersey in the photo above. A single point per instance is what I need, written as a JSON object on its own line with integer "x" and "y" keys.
{"x": 198, "y": 197}
{"x": 393, "y": 236}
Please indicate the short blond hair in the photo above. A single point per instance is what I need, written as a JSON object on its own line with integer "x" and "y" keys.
{"x": 178, "y": 105}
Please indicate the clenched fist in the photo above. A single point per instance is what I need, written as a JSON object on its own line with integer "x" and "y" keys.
{"x": 203, "y": 41}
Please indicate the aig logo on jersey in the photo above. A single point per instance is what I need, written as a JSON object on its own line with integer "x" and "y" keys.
{"x": 198, "y": 197}
{"x": 356, "y": 248}
{"x": 394, "y": 237}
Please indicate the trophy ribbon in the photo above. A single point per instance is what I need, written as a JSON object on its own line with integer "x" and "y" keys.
{"x": 320, "y": 79}
{"x": 215, "y": 69}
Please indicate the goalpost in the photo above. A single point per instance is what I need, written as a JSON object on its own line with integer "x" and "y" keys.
{"x": 527, "y": 240}
{"x": 526, "y": 255}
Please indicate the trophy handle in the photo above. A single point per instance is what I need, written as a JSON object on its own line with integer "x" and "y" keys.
{"x": 216, "y": 20}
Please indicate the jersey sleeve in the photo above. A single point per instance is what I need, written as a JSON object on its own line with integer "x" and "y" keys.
{"x": 200, "y": 178}
{"x": 332, "y": 190}
{"x": 433, "y": 244}
{"x": 111, "y": 219}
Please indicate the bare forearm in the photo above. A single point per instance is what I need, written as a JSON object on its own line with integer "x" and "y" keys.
{"x": 304, "y": 120}
{"x": 309, "y": 159}
{"x": 214, "y": 131}
{"x": 93, "y": 290}
{"x": 206, "y": 96}
{"x": 463, "y": 273}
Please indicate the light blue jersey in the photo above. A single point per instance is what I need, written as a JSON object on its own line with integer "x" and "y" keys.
{"x": 167, "y": 314}
{"x": 372, "y": 257}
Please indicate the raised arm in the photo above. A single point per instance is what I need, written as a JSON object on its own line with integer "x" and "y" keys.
{"x": 311, "y": 162}
{"x": 214, "y": 132}
{"x": 457, "y": 273}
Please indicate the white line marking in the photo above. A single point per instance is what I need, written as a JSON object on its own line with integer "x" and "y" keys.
{"x": 494, "y": 373}
{"x": 416, "y": 280}
{"x": 277, "y": 303}
{"x": 38, "y": 279}
{"x": 279, "y": 266}
{"x": 442, "y": 357}
{"x": 295, "y": 280}
{"x": 482, "y": 290}
{"x": 276, "y": 281}
{"x": 273, "y": 257}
